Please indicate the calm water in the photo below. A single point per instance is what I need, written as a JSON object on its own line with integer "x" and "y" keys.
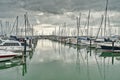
{"x": 54, "y": 61}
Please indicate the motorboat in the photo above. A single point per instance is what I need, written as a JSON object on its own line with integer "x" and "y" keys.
{"x": 12, "y": 45}
{"x": 7, "y": 55}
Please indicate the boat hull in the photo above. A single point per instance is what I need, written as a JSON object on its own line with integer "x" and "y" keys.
{"x": 110, "y": 48}
{"x": 7, "y": 55}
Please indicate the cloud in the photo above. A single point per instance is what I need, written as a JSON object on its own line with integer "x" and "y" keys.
{"x": 54, "y": 6}
{"x": 61, "y": 6}
{"x": 57, "y": 6}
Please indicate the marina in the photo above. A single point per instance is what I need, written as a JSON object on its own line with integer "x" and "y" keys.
{"x": 59, "y": 40}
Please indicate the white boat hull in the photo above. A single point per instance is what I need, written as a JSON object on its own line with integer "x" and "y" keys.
{"x": 7, "y": 55}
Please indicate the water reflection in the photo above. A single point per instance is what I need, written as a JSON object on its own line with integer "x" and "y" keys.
{"x": 110, "y": 55}
{"x": 56, "y": 61}
{"x": 78, "y": 60}
{"x": 15, "y": 69}
{"x": 84, "y": 63}
{"x": 9, "y": 64}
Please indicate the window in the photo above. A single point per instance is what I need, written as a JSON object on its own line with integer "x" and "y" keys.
{"x": 11, "y": 44}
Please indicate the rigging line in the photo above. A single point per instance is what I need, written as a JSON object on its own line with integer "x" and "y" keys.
{"x": 28, "y": 24}
{"x": 13, "y": 26}
{"x": 109, "y": 25}
{"x": 100, "y": 27}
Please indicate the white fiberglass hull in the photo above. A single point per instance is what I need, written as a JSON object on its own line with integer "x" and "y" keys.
{"x": 7, "y": 55}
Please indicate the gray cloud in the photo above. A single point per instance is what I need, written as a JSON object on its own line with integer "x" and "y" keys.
{"x": 60, "y": 6}
{"x": 55, "y": 6}
{"x": 52, "y": 8}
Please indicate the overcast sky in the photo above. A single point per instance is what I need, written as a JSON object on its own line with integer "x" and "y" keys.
{"x": 56, "y": 12}
{"x": 11, "y": 8}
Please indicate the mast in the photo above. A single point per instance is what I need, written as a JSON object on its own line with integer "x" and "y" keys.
{"x": 55, "y": 32}
{"x": 110, "y": 28}
{"x": 17, "y": 26}
{"x": 6, "y": 27}
{"x": 1, "y": 27}
{"x": 88, "y": 23}
{"x": 105, "y": 17}
{"x": 78, "y": 26}
{"x": 59, "y": 31}
{"x": 32, "y": 31}
{"x": 25, "y": 23}
{"x": 29, "y": 27}
{"x": 65, "y": 33}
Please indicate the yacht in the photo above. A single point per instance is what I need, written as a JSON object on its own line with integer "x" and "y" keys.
{"x": 12, "y": 45}
{"x": 7, "y": 55}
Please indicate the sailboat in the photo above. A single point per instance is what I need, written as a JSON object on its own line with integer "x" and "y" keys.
{"x": 114, "y": 45}
{"x": 87, "y": 40}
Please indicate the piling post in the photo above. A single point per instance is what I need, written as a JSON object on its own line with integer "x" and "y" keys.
{"x": 112, "y": 59}
{"x": 112, "y": 46}
{"x": 30, "y": 43}
{"x": 112, "y": 52}
{"x": 90, "y": 43}
{"x": 25, "y": 47}
{"x": 34, "y": 42}
{"x": 24, "y": 69}
{"x": 24, "y": 52}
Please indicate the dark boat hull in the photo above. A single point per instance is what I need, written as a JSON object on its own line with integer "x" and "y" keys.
{"x": 110, "y": 48}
